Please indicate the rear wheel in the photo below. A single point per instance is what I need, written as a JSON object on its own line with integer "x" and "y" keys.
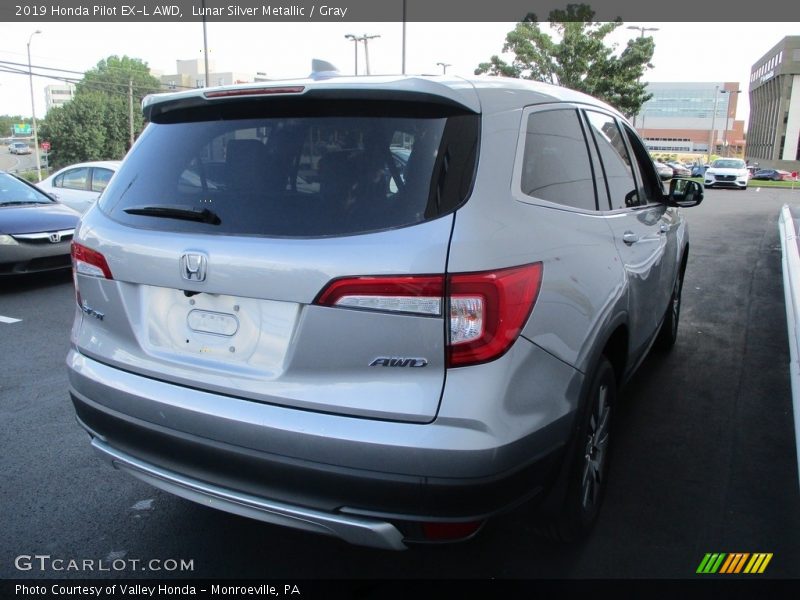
{"x": 588, "y": 467}
{"x": 668, "y": 334}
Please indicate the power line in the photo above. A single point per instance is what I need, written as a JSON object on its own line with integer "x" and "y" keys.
{"x": 11, "y": 67}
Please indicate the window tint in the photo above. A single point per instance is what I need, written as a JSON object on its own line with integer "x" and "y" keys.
{"x": 100, "y": 178}
{"x": 650, "y": 189}
{"x": 555, "y": 164}
{"x": 298, "y": 176}
{"x": 615, "y": 160}
{"x": 76, "y": 179}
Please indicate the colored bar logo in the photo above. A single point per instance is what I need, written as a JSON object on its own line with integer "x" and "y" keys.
{"x": 734, "y": 563}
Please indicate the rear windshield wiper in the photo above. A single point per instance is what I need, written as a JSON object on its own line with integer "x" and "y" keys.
{"x": 167, "y": 211}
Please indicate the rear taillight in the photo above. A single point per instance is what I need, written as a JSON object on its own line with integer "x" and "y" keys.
{"x": 487, "y": 310}
{"x": 86, "y": 261}
{"x": 419, "y": 295}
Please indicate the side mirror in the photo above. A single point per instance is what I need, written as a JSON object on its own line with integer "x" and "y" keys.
{"x": 684, "y": 193}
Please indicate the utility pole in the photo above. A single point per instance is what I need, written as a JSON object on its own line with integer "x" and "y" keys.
{"x": 727, "y": 119}
{"x": 444, "y": 67}
{"x": 33, "y": 112}
{"x": 130, "y": 109}
{"x": 711, "y": 137}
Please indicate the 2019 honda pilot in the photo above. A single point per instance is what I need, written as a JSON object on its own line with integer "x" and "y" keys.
{"x": 277, "y": 318}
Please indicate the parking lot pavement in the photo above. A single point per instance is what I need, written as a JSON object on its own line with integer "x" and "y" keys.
{"x": 703, "y": 462}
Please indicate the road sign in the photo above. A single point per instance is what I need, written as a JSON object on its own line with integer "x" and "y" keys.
{"x": 46, "y": 146}
{"x": 22, "y": 129}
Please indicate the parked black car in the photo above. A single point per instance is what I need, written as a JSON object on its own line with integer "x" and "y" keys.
{"x": 35, "y": 230}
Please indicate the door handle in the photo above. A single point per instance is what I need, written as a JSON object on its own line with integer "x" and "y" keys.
{"x": 630, "y": 238}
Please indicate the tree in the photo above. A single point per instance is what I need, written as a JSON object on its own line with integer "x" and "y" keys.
{"x": 580, "y": 59}
{"x": 95, "y": 124}
{"x": 7, "y": 123}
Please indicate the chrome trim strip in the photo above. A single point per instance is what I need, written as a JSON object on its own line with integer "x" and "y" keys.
{"x": 355, "y": 530}
{"x": 43, "y": 235}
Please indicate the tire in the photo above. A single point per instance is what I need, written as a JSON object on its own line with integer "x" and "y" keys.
{"x": 707, "y": 187}
{"x": 587, "y": 470}
{"x": 668, "y": 334}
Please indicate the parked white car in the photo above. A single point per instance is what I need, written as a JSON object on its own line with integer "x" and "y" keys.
{"x": 727, "y": 172}
{"x": 78, "y": 186}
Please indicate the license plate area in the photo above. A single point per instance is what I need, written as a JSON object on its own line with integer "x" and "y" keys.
{"x": 218, "y": 328}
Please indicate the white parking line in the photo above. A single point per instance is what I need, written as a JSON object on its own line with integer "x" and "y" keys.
{"x": 8, "y": 320}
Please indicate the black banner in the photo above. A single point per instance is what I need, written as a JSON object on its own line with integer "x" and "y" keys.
{"x": 712, "y": 11}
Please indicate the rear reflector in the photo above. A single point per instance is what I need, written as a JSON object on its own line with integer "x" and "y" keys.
{"x": 89, "y": 262}
{"x": 487, "y": 309}
{"x": 444, "y": 532}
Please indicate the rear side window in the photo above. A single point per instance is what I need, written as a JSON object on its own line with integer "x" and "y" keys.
{"x": 555, "y": 165}
{"x": 616, "y": 162}
{"x": 100, "y": 178}
{"x": 75, "y": 179}
{"x": 320, "y": 172}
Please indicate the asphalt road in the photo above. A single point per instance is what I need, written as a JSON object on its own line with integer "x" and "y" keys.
{"x": 704, "y": 458}
{"x": 16, "y": 162}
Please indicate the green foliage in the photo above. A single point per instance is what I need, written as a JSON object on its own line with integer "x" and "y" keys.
{"x": 8, "y": 121}
{"x": 31, "y": 176}
{"x": 94, "y": 125}
{"x": 580, "y": 59}
{"x": 112, "y": 75}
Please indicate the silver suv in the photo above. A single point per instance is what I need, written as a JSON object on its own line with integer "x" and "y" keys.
{"x": 384, "y": 309}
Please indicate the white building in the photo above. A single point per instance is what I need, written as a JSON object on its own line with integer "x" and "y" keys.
{"x": 191, "y": 74}
{"x": 56, "y": 95}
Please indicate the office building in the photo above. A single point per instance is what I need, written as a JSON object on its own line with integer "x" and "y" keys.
{"x": 680, "y": 118}
{"x": 773, "y": 137}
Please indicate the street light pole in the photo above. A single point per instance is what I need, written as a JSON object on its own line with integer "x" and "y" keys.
{"x": 404, "y": 38}
{"x": 727, "y": 119}
{"x": 205, "y": 47}
{"x": 354, "y": 39}
{"x": 641, "y": 29}
{"x": 444, "y": 67}
{"x": 33, "y": 111}
{"x": 365, "y": 38}
{"x": 713, "y": 123}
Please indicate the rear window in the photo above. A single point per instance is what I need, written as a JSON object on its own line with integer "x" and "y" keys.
{"x": 321, "y": 170}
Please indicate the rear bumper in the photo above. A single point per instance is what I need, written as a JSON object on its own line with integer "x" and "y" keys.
{"x": 367, "y": 482}
{"x": 364, "y": 532}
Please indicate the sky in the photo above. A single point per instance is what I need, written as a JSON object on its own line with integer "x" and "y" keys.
{"x": 684, "y": 51}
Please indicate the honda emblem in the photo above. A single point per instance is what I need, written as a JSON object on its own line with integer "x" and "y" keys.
{"x": 194, "y": 266}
